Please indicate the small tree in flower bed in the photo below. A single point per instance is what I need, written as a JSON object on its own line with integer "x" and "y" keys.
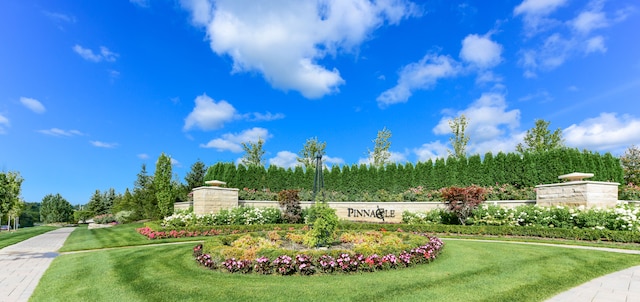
{"x": 462, "y": 201}
{"x": 290, "y": 203}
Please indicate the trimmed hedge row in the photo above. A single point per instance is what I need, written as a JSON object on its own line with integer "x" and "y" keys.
{"x": 570, "y": 234}
{"x": 527, "y": 170}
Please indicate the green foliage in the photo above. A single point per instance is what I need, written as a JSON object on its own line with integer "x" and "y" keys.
{"x": 629, "y": 192}
{"x": 380, "y": 154}
{"x": 82, "y": 216}
{"x": 54, "y": 208}
{"x": 312, "y": 148}
{"x": 30, "y": 215}
{"x": 254, "y": 153}
{"x": 10, "y": 187}
{"x": 124, "y": 217}
{"x": 195, "y": 177}
{"x": 101, "y": 203}
{"x": 630, "y": 161}
{"x": 462, "y": 201}
{"x": 540, "y": 139}
{"x": 324, "y": 225}
{"x": 290, "y": 203}
{"x": 162, "y": 185}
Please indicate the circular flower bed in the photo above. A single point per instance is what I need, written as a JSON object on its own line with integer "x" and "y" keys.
{"x": 283, "y": 253}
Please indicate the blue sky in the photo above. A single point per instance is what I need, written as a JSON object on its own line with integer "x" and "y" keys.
{"x": 90, "y": 90}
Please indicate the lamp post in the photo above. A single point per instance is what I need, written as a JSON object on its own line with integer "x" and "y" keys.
{"x": 318, "y": 179}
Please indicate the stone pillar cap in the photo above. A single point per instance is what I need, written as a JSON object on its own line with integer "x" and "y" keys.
{"x": 215, "y": 183}
{"x": 575, "y": 176}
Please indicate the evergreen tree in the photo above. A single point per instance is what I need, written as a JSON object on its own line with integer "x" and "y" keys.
{"x": 144, "y": 195}
{"x": 497, "y": 173}
{"x": 439, "y": 174}
{"x": 95, "y": 204}
{"x": 195, "y": 177}
{"x": 475, "y": 174}
{"x": 162, "y": 185}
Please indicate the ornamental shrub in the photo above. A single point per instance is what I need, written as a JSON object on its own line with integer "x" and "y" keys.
{"x": 462, "y": 201}
{"x": 325, "y": 224}
{"x": 290, "y": 203}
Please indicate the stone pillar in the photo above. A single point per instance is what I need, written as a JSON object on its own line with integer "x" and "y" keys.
{"x": 213, "y": 197}
{"x": 578, "y": 192}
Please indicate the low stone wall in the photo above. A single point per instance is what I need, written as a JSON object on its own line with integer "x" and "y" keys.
{"x": 211, "y": 199}
{"x": 376, "y": 211}
{"x": 578, "y": 193}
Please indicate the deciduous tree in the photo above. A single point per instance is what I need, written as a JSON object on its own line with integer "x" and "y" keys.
{"x": 55, "y": 208}
{"x": 311, "y": 149}
{"x": 459, "y": 138}
{"x": 380, "y": 154}
{"x": 253, "y": 153}
{"x": 630, "y": 161}
{"x": 540, "y": 138}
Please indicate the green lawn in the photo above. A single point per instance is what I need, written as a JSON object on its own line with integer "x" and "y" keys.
{"x": 465, "y": 271}
{"x": 118, "y": 236}
{"x": 8, "y": 238}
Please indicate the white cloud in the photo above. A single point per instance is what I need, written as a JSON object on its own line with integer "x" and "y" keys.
{"x": 431, "y": 151}
{"x": 394, "y": 157}
{"x": 33, "y": 105}
{"x": 100, "y": 144}
{"x": 557, "y": 48}
{"x": 595, "y": 44}
{"x": 605, "y": 132}
{"x": 487, "y": 117}
{"x": 4, "y": 122}
{"x": 233, "y": 142}
{"x": 587, "y": 21}
{"x": 284, "y": 40}
{"x": 285, "y": 159}
{"x": 209, "y": 115}
{"x": 419, "y": 75}
{"x": 103, "y": 55}
{"x": 538, "y": 7}
{"x": 535, "y": 12}
{"x": 492, "y": 127}
{"x": 60, "y": 17}
{"x": 141, "y": 3}
{"x": 481, "y": 51}
{"x": 257, "y": 116}
{"x": 143, "y": 156}
{"x": 60, "y": 132}
{"x": 330, "y": 161}
{"x": 175, "y": 162}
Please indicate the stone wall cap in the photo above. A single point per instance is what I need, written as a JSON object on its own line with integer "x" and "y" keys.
{"x": 575, "y": 176}
{"x": 215, "y": 183}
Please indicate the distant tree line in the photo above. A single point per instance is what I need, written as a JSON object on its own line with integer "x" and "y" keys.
{"x": 520, "y": 170}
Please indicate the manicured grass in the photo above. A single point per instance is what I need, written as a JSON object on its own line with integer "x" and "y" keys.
{"x": 8, "y": 238}
{"x": 465, "y": 271}
{"x": 117, "y": 236}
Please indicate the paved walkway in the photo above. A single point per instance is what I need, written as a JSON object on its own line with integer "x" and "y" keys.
{"x": 23, "y": 264}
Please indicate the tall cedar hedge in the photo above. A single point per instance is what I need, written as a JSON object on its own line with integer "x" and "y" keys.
{"x": 526, "y": 170}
